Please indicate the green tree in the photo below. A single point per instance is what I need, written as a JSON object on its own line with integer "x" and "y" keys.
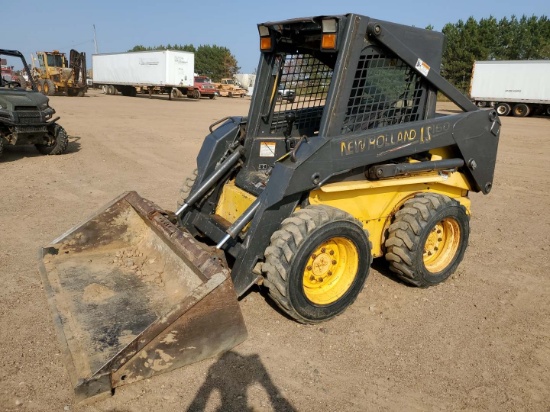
{"x": 508, "y": 39}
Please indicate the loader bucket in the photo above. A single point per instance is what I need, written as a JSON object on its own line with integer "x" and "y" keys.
{"x": 133, "y": 296}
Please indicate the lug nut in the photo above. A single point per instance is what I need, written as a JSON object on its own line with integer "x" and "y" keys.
{"x": 323, "y": 250}
{"x": 331, "y": 252}
{"x": 309, "y": 268}
{"x": 329, "y": 273}
{"x": 333, "y": 262}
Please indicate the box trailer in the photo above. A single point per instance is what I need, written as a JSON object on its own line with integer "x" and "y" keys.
{"x": 161, "y": 71}
{"x": 519, "y": 87}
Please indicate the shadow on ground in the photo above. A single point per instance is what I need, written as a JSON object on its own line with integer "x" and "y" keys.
{"x": 231, "y": 376}
{"x": 14, "y": 153}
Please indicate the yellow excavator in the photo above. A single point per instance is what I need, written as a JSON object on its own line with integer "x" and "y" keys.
{"x": 298, "y": 197}
{"x": 56, "y": 75}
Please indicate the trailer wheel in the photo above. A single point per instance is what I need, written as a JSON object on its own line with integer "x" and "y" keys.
{"x": 427, "y": 239}
{"x": 174, "y": 93}
{"x": 503, "y": 109}
{"x": 48, "y": 88}
{"x": 548, "y": 110}
{"x": 186, "y": 189}
{"x": 58, "y": 144}
{"x": 317, "y": 263}
{"x": 521, "y": 110}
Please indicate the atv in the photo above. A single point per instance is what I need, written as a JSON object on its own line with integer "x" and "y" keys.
{"x": 25, "y": 115}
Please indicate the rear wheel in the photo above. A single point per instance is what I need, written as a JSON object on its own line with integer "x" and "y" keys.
{"x": 317, "y": 263}
{"x": 196, "y": 94}
{"x": 427, "y": 239}
{"x": 58, "y": 144}
{"x": 521, "y": 110}
{"x": 503, "y": 109}
{"x": 111, "y": 89}
{"x": 49, "y": 88}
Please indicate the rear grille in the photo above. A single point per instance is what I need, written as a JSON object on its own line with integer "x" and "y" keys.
{"x": 28, "y": 114}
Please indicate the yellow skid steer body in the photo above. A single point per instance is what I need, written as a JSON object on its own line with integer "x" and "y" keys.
{"x": 133, "y": 296}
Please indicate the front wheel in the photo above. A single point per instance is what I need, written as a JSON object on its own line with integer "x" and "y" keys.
{"x": 427, "y": 239}
{"x": 49, "y": 88}
{"x": 317, "y": 263}
{"x": 58, "y": 143}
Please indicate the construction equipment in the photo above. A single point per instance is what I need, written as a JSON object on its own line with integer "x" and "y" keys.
{"x": 25, "y": 115}
{"x": 57, "y": 75}
{"x": 298, "y": 196}
{"x": 230, "y": 88}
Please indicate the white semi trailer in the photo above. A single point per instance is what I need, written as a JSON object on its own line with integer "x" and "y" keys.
{"x": 519, "y": 87}
{"x": 164, "y": 71}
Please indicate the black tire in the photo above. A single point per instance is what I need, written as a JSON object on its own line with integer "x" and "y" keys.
{"x": 1, "y": 146}
{"x": 81, "y": 93}
{"x": 111, "y": 89}
{"x": 212, "y": 96}
{"x": 174, "y": 93}
{"x": 59, "y": 144}
{"x": 309, "y": 287}
{"x": 230, "y": 94}
{"x": 427, "y": 239}
{"x": 40, "y": 86}
{"x": 186, "y": 189}
{"x": 196, "y": 94}
{"x": 49, "y": 87}
{"x": 521, "y": 110}
{"x": 503, "y": 109}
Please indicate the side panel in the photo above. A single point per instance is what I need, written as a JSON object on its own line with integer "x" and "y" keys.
{"x": 511, "y": 81}
{"x": 143, "y": 68}
{"x": 375, "y": 203}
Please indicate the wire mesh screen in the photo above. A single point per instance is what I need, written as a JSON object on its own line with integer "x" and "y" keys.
{"x": 303, "y": 90}
{"x": 386, "y": 91}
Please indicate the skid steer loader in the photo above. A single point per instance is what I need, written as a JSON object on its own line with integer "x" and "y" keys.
{"x": 299, "y": 197}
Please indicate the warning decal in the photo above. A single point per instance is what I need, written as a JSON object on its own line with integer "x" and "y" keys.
{"x": 267, "y": 149}
{"x": 422, "y": 67}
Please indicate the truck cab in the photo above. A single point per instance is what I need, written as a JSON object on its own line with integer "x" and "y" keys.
{"x": 204, "y": 87}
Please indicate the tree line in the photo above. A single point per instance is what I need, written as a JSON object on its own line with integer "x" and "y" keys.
{"x": 213, "y": 61}
{"x": 526, "y": 38}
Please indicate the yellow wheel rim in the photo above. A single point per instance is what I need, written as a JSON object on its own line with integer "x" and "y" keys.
{"x": 330, "y": 270}
{"x": 441, "y": 245}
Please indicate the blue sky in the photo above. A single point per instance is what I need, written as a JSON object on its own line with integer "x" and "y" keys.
{"x": 120, "y": 25}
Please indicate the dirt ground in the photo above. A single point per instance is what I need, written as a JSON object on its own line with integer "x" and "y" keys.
{"x": 480, "y": 341}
